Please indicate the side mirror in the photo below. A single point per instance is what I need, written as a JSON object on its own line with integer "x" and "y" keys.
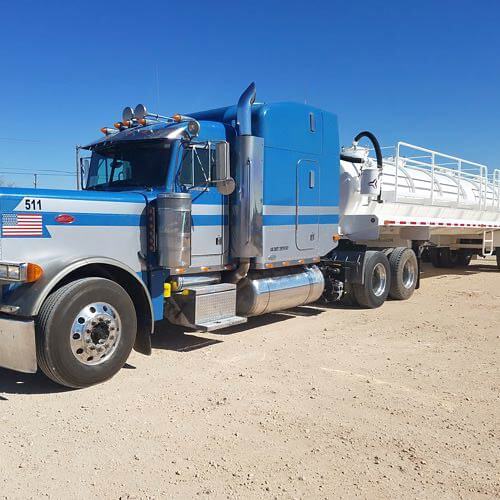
{"x": 223, "y": 180}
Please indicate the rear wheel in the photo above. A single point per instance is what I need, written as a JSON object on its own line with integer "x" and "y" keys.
{"x": 404, "y": 273}
{"x": 444, "y": 257}
{"x": 377, "y": 278}
{"x": 85, "y": 332}
{"x": 464, "y": 259}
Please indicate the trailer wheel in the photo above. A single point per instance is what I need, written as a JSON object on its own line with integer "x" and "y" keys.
{"x": 464, "y": 259}
{"x": 425, "y": 255}
{"x": 404, "y": 273}
{"x": 444, "y": 257}
{"x": 85, "y": 332}
{"x": 377, "y": 280}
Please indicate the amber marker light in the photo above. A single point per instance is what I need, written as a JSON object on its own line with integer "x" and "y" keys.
{"x": 118, "y": 125}
{"x": 33, "y": 273}
{"x": 177, "y": 117}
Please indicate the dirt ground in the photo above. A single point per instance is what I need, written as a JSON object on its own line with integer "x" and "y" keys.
{"x": 399, "y": 402}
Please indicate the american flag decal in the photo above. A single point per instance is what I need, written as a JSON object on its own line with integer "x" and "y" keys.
{"x": 22, "y": 225}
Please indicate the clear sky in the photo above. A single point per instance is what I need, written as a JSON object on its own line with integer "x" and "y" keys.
{"x": 424, "y": 71}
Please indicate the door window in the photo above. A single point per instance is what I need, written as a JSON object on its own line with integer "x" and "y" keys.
{"x": 198, "y": 165}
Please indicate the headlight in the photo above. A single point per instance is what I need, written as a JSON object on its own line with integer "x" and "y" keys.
{"x": 14, "y": 272}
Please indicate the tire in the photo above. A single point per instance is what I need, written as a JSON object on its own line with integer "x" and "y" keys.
{"x": 404, "y": 273}
{"x": 425, "y": 255}
{"x": 497, "y": 251}
{"x": 464, "y": 259}
{"x": 435, "y": 256}
{"x": 85, "y": 332}
{"x": 377, "y": 281}
{"x": 444, "y": 257}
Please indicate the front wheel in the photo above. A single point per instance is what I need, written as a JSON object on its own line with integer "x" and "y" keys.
{"x": 85, "y": 332}
{"x": 377, "y": 281}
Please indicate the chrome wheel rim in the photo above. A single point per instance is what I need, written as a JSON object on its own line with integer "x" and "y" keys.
{"x": 95, "y": 333}
{"x": 409, "y": 274}
{"x": 379, "y": 279}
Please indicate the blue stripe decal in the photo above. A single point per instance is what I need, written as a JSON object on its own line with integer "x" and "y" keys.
{"x": 291, "y": 220}
{"x": 209, "y": 220}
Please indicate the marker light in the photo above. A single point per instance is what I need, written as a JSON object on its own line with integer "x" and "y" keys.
{"x": 107, "y": 130}
{"x": 34, "y": 272}
{"x": 118, "y": 125}
{"x": 177, "y": 117}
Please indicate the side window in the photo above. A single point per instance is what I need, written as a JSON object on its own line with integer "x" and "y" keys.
{"x": 198, "y": 165}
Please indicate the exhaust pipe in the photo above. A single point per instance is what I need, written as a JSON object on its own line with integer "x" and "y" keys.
{"x": 244, "y": 110}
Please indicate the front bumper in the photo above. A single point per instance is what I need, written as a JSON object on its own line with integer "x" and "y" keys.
{"x": 17, "y": 344}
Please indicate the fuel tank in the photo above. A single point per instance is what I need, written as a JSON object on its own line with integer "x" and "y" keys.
{"x": 262, "y": 292}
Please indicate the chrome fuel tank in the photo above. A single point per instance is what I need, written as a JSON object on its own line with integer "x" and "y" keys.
{"x": 267, "y": 291}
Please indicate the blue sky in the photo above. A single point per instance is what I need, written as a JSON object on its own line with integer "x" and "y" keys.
{"x": 425, "y": 71}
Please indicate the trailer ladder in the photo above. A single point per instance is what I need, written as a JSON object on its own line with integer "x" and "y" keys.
{"x": 488, "y": 251}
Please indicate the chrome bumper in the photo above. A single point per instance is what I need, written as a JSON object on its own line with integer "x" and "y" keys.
{"x": 17, "y": 345}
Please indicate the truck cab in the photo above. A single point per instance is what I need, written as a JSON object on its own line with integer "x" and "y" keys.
{"x": 203, "y": 220}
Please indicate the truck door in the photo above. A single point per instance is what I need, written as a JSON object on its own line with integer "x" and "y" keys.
{"x": 209, "y": 237}
{"x": 307, "y": 218}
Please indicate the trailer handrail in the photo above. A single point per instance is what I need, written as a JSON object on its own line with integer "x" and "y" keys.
{"x": 455, "y": 166}
{"x": 496, "y": 187}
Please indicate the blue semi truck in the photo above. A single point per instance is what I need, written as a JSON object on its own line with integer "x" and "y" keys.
{"x": 203, "y": 220}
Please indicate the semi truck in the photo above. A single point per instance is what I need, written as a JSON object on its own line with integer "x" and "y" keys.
{"x": 207, "y": 219}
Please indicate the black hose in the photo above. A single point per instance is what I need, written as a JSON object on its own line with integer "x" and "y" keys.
{"x": 376, "y": 145}
{"x": 378, "y": 152}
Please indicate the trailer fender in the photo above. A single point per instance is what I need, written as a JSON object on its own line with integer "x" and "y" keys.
{"x": 28, "y": 298}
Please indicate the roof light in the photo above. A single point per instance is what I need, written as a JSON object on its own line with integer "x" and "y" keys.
{"x": 118, "y": 125}
{"x": 177, "y": 117}
{"x": 108, "y": 130}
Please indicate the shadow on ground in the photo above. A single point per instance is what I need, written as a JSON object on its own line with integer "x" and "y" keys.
{"x": 26, "y": 383}
{"x": 173, "y": 338}
{"x": 475, "y": 267}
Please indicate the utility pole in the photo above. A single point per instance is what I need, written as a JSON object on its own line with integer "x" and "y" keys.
{"x": 35, "y": 180}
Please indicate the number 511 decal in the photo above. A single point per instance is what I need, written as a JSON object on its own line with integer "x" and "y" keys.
{"x": 32, "y": 204}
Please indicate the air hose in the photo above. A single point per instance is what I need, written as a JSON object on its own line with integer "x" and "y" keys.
{"x": 376, "y": 147}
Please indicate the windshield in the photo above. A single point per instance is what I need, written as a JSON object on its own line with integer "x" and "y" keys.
{"x": 133, "y": 164}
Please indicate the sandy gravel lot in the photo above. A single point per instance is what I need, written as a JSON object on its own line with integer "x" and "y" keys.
{"x": 399, "y": 402}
